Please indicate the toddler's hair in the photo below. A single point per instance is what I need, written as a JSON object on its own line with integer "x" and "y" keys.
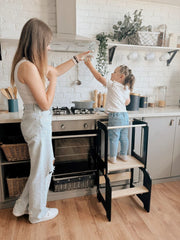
{"x": 129, "y": 77}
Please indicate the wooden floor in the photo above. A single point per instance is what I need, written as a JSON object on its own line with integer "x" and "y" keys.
{"x": 84, "y": 218}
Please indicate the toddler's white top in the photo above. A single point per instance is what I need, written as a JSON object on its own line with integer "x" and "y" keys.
{"x": 116, "y": 97}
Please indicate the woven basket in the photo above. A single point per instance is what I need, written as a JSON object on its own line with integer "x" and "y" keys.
{"x": 16, "y": 186}
{"x": 16, "y": 152}
{"x": 146, "y": 39}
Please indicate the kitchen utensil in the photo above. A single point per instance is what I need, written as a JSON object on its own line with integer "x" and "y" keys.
{"x": 104, "y": 100}
{"x": 15, "y": 91}
{"x": 95, "y": 99}
{"x": 78, "y": 82}
{"x": 99, "y": 100}
{"x": 134, "y": 104}
{"x": 8, "y": 93}
{"x": 11, "y": 92}
{"x": 83, "y": 104}
{"x": 3, "y": 91}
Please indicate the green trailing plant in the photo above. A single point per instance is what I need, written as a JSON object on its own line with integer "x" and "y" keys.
{"x": 102, "y": 53}
{"x": 129, "y": 26}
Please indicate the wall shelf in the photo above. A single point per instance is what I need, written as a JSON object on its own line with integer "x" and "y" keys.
{"x": 112, "y": 46}
{"x": 129, "y": 46}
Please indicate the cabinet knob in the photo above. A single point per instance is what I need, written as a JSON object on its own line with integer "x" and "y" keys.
{"x": 62, "y": 126}
{"x": 85, "y": 125}
{"x": 171, "y": 122}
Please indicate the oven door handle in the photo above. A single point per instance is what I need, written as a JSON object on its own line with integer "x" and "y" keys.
{"x": 75, "y": 136}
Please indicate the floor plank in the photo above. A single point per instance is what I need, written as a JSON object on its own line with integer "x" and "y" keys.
{"x": 85, "y": 218}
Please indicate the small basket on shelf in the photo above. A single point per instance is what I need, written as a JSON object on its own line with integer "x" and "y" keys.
{"x": 145, "y": 38}
{"x": 16, "y": 185}
{"x": 16, "y": 152}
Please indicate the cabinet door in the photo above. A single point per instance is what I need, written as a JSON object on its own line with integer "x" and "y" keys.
{"x": 160, "y": 146}
{"x": 175, "y": 171}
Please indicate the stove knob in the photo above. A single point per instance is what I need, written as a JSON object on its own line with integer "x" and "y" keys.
{"x": 85, "y": 125}
{"x": 62, "y": 126}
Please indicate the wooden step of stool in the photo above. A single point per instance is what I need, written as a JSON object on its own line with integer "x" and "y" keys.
{"x": 128, "y": 192}
{"x": 131, "y": 162}
{"x": 116, "y": 177}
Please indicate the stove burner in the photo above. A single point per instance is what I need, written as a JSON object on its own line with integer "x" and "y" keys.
{"x": 82, "y": 110}
{"x": 61, "y": 111}
{"x": 73, "y": 110}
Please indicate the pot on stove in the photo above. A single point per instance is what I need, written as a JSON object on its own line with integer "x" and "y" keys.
{"x": 83, "y": 104}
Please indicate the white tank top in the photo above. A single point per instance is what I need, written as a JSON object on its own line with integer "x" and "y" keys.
{"x": 23, "y": 88}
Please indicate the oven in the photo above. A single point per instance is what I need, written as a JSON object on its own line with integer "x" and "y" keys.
{"x": 75, "y": 146}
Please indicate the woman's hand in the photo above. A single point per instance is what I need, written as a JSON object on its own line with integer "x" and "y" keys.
{"x": 66, "y": 66}
{"x": 51, "y": 73}
{"x": 81, "y": 56}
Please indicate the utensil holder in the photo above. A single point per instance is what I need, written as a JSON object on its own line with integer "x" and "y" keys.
{"x": 13, "y": 105}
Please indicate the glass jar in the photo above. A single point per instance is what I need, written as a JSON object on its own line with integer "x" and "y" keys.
{"x": 151, "y": 101}
{"x": 162, "y": 96}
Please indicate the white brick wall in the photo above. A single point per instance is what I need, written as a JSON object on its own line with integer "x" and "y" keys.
{"x": 94, "y": 16}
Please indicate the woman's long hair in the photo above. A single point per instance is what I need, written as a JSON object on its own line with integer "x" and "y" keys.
{"x": 34, "y": 39}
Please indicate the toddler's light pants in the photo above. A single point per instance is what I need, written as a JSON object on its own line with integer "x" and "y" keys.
{"x": 116, "y": 135}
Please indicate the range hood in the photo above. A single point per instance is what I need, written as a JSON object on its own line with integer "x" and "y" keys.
{"x": 67, "y": 38}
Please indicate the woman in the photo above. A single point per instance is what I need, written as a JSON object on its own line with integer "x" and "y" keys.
{"x": 29, "y": 73}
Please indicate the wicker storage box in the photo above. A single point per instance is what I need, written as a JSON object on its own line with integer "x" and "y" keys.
{"x": 16, "y": 152}
{"x": 146, "y": 39}
{"x": 16, "y": 185}
{"x": 60, "y": 184}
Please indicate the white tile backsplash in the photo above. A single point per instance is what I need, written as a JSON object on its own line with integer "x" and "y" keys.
{"x": 94, "y": 16}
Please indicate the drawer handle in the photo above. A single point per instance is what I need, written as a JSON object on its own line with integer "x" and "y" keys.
{"x": 179, "y": 122}
{"x": 171, "y": 122}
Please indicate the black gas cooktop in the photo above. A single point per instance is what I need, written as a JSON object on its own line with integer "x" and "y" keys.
{"x": 72, "y": 110}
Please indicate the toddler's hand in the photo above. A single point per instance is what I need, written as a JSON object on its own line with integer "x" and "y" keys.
{"x": 87, "y": 59}
{"x": 81, "y": 56}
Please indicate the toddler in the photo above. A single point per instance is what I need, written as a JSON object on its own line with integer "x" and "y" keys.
{"x": 119, "y": 87}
